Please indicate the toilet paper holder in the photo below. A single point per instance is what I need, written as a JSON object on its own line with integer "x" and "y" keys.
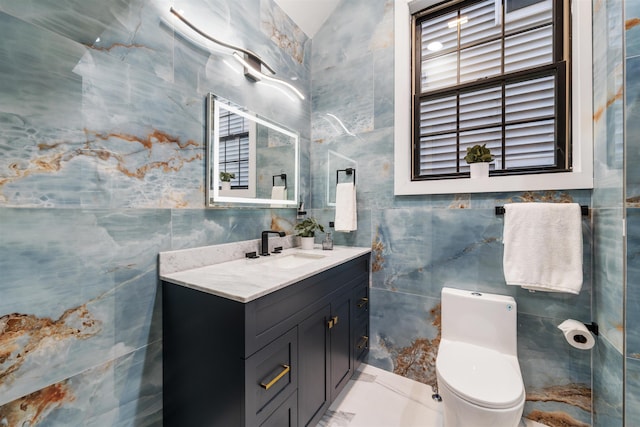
{"x": 592, "y": 327}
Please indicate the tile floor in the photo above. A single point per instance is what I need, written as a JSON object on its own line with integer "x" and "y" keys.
{"x": 378, "y": 398}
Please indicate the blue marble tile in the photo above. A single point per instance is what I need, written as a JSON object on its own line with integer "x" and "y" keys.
{"x": 344, "y": 38}
{"x": 557, "y": 377}
{"x": 343, "y": 100}
{"x": 80, "y": 288}
{"x": 193, "y": 228}
{"x": 607, "y": 385}
{"x": 608, "y": 273}
{"x": 632, "y": 327}
{"x": 125, "y": 391}
{"x": 632, "y": 34}
{"x": 79, "y": 20}
{"x": 632, "y": 392}
{"x": 400, "y": 324}
{"x": 383, "y": 92}
{"x": 632, "y": 128}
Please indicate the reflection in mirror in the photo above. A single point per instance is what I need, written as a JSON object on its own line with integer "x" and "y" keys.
{"x": 250, "y": 159}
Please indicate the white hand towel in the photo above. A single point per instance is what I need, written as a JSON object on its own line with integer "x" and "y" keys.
{"x": 543, "y": 246}
{"x": 279, "y": 192}
{"x": 346, "y": 210}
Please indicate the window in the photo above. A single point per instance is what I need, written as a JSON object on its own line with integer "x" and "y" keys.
{"x": 234, "y": 148}
{"x": 494, "y": 75}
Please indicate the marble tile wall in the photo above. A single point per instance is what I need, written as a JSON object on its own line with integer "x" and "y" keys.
{"x": 422, "y": 243}
{"x": 608, "y": 211}
{"x": 101, "y": 167}
{"x": 632, "y": 154}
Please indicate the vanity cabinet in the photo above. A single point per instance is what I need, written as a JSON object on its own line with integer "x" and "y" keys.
{"x": 278, "y": 360}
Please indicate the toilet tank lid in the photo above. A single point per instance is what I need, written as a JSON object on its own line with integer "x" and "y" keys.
{"x": 481, "y": 376}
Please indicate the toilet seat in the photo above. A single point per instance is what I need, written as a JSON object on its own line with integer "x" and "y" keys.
{"x": 479, "y": 375}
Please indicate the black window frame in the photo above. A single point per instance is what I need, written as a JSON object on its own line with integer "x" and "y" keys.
{"x": 559, "y": 68}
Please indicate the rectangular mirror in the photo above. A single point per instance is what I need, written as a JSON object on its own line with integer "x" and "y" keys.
{"x": 250, "y": 159}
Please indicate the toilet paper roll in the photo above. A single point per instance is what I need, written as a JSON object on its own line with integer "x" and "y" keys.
{"x": 577, "y": 334}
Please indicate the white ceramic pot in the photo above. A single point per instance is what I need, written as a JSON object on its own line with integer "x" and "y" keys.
{"x": 479, "y": 170}
{"x": 225, "y": 185}
{"x": 306, "y": 243}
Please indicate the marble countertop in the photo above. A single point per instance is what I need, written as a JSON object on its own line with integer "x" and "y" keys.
{"x": 247, "y": 279}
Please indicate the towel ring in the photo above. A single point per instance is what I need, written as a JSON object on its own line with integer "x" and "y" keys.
{"x": 583, "y": 209}
{"x": 283, "y": 176}
{"x": 348, "y": 171}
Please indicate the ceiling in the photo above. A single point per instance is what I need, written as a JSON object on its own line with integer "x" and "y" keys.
{"x": 309, "y": 15}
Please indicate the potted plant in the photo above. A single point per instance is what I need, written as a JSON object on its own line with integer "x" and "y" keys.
{"x": 306, "y": 230}
{"x": 478, "y": 157}
{"x": 225, "y": 180}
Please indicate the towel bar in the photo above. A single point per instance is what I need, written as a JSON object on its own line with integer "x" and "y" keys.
{"x": 283, "y": 176}
{"x": 584, "y": 209}
{"x": 348, "y": 171}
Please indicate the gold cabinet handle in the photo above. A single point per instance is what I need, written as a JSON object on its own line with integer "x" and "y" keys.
{"x": 332, "y": 322}
{"x": 270, "y": 384}
{"x": 363, "y": 342}
{"x": 363, "y": 302}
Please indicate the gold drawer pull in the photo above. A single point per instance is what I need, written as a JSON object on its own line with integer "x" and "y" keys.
{"x": 363, "y": 302}
{"x": 332, "y": 322}
{"x": 270, "y": 384}
{"x": 363, "y": 342}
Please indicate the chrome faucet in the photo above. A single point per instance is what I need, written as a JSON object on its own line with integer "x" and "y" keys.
{"x": 264, "y": 248}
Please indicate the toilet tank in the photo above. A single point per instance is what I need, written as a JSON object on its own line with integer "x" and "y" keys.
{"x": 479, "y": 318}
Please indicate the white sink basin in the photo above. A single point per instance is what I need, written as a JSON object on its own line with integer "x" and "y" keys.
{"x": 292, "y": 260}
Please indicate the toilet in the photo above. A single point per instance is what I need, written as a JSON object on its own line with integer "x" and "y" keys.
{"x": 477, "y": 367}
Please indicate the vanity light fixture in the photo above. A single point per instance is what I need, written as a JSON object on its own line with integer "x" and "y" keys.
{"x": 252, "y": 73}
{"x": 252, "y": 63}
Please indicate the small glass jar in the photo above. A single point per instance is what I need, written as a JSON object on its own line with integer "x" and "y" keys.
{"x": 327, "y": 243}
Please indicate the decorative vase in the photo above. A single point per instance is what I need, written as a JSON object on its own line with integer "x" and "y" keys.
{"x": 225, "y": 185}
{"x": 306, "y": 243}
{"x": 479, "y": 170}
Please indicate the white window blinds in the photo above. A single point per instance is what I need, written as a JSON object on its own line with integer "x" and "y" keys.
{"x": 488, "y": 76}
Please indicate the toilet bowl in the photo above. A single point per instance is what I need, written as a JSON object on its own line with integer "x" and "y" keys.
{"x": 477, "y": 367}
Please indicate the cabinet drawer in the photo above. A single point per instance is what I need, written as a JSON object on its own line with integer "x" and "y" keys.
{"x": 271, "y": 377}
{"x": 286, "y": 415}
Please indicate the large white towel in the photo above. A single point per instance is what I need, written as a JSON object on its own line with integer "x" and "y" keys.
{"x": 346, "y": 210}
{"x": 543, "y": 246}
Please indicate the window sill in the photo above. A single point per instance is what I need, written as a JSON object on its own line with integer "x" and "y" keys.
{"x": 494, "y": 184}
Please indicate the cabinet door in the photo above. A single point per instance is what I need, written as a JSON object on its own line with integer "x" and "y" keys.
{"x": 313, "y": 350}
{"x": 340, "y": 348}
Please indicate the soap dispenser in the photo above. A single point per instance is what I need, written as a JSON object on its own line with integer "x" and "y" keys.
{"x": 327, "y": 243}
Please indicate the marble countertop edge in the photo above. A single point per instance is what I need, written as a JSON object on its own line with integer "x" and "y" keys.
{"x": 245, "y": 280}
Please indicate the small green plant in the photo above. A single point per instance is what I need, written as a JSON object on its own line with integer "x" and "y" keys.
{"x": 308, "y": 227}
{"x": 478, "y": 153}
{"x": 227, "y": 176}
